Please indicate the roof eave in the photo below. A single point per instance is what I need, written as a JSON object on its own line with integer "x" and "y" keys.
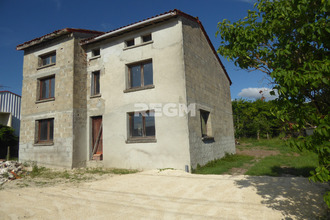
{"x": 130, "y": 27}
{"x": 42, "y": 39}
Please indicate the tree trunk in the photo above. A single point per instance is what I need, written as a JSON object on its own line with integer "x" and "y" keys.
{"x": 258, "y": 134}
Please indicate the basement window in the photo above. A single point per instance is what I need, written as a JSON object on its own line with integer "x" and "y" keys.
{"x": 130, "y": 42}
{"x": 47, "y": 59}
{"x": 146, "y": 38}
{"x": 45, "y": 130}
{"x": 141, "y": 126}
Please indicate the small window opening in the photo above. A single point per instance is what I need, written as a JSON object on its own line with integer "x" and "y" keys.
{"x": 96, "y": 52}
{"x": 146, "y": 38}
{"x": 130, "y": 43}
{"x": 48, "y": 59}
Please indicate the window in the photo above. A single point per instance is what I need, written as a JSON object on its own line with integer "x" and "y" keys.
{"x": 45, "y": 130}
{"x": 95, "y": 88}
{"x": 146, "y": 38}
{"x": 141, "y": 125}
{"x": 47, "y": 59}
{"x": 140, "y": 75}
{"x": 206, "y": 124}
{"x": 130, "y": 43}
{"x": 47, "y": 87}
{"x": 96, "y": 52}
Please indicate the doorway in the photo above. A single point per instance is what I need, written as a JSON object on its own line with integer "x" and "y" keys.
{"x": 97, "y": 138}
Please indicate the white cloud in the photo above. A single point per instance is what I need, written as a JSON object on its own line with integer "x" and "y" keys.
{"x": 257, "y": 93}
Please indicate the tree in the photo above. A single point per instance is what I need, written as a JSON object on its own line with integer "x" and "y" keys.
{"x": 289, "y": 41}
{"x": 254, "y": 119}
{"x": 7, "y": 138}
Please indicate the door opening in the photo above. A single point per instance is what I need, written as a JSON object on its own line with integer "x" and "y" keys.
{"x": 97, "y": 138}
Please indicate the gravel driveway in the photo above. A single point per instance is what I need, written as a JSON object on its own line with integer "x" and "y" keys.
{"x": 169, "y": 194}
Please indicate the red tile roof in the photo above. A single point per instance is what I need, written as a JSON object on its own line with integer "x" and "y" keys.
{"x": 53, "y": 35}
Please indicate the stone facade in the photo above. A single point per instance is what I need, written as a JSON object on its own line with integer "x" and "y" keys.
{"x": 186, "y": 71}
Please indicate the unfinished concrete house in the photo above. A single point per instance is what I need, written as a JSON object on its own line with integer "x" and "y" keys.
{"x": 152, "y": 94}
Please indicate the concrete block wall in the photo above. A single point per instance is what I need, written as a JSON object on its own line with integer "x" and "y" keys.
{"x": 208, "y": 87}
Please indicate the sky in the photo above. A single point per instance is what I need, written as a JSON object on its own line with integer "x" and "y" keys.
{"x": 24, "y": 20}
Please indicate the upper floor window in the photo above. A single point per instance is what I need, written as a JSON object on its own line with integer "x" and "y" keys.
{"x": 45, "y": 130}
{"x": 130, "y": 42}
{"x": 146, "y": 38}
{"x": 47, "y": 59}
{"x": 47, "y": 88}
{"x": 96, "y": 52}
{"x": 140, "y": 75}
{"x": 95, "y": 86}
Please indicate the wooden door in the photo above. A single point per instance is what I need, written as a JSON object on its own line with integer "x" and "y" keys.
{"x": 97, "y": 136}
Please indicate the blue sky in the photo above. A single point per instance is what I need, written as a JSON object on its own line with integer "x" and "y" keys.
{"x": 24, "y": 20}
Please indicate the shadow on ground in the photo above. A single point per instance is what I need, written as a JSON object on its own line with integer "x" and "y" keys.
{"x": 294, "y": 197}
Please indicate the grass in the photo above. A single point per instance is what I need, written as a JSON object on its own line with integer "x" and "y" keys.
{"x": 289, "y": 161}
{"x": 74, "y": 175}
{"x": 224, "y": 165}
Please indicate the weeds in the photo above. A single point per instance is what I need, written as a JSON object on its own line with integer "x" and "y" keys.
{"x": 41, "y": 176}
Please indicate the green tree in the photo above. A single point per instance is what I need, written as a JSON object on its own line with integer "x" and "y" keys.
{"x": 7, "y": 138}
{"x": 254, "y": 119}
{"x": 289, "y": 41}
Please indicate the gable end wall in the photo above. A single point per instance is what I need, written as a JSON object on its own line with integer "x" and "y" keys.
{"x": 208, "y": 86}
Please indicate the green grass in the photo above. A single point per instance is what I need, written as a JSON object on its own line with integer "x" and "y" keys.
{"x": 223, "y": 165}
{"x": 279, "y": 165}
{"x": 289, "y": 161}
{"x": 271, "y": 144}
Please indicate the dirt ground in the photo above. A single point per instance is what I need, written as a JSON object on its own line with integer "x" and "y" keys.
{"x": 168, "y": 194}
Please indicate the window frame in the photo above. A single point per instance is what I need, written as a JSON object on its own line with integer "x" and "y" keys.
{"x": 38, "y": 132}
{"x": 142, "y": 85}
{"x": 144, "y": 138}
{"x": 93, "y": 83}
{"x": 41, "y": 81}
{"x": 44, "y": 57}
